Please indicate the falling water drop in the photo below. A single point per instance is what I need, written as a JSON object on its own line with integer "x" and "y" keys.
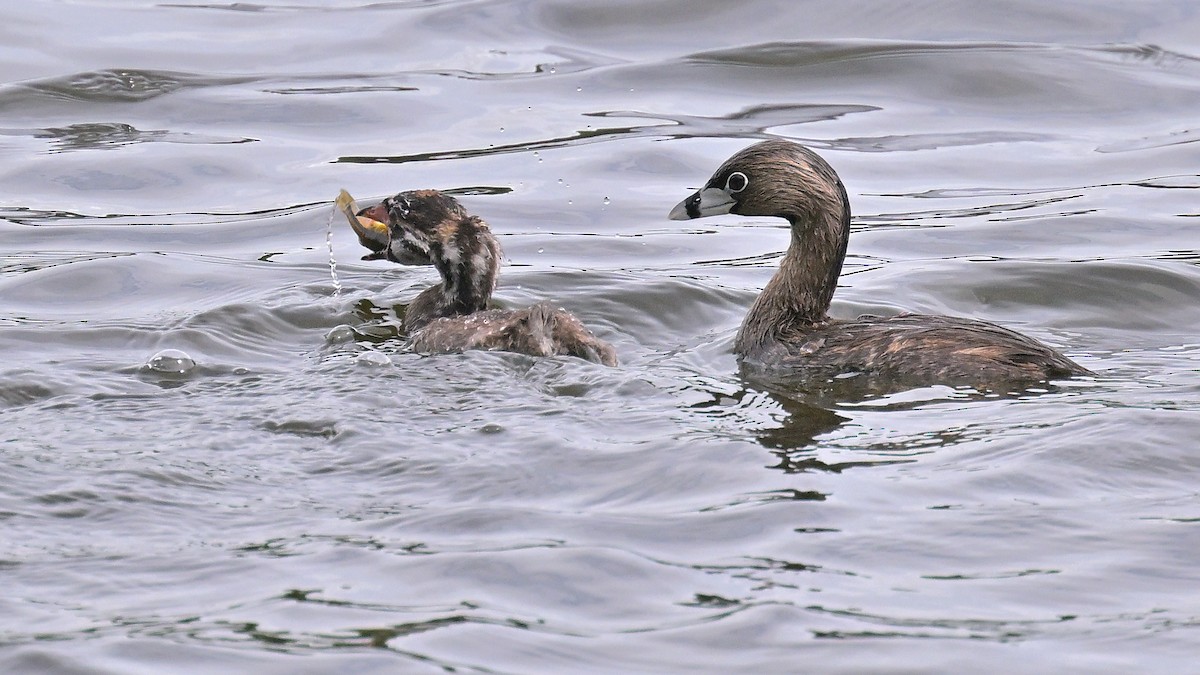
{"x": 337, "y": 284}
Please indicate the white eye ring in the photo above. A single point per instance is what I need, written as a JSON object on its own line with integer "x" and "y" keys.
{"x": 736, "y": 182}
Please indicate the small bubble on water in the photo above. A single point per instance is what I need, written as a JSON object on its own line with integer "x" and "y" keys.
{"x": 541, "y": 250}
{"x": 171, "y": 361}
{"x": 491, "y": 429}
{"x": 578, "y": 88}
{"x": 607, "y": 201}
{"x": 341, "y": 334}
{"x": 374, "y": 358}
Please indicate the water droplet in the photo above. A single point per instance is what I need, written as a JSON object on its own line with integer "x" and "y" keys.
{"x": 337, "y": 284}
{"x": 570, "y": 202}
{"x": 607, "y": 201}
{"x": 341, "y": 334}
{"x": 560, "y": 181}
{"x": 541, "y": 250}
{"x": 374, "y": 358}
{"x": 578, "y": 88}
{"x": 171, "y": 361}
{"x": 501, "y": 129}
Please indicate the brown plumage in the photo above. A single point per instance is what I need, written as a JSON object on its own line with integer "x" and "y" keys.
{"x": 427, "y": 227}
{"x": 788, "y": 329}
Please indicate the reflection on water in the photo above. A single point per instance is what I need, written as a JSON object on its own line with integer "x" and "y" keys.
{"x": 747, "y": 123}
{"x": 101, "y": 136}
{"x": 108, "y": 86}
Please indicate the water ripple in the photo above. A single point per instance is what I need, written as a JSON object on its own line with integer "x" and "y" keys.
{"x": 112, "y": 135}
{"x": 112, "y": 86}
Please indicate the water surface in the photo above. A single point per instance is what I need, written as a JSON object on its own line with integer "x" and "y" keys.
{"x": 292, "y": 491}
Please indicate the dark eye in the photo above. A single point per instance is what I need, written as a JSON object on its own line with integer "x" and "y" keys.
{"x": 736, "y": 182}
{"x": 400, "y": 205}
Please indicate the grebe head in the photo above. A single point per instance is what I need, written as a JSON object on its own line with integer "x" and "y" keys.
{"x": 784, "y": 179}
{"x": 427, "y": 227}
{"x": 772, "y": 178}
{"x": 421, "y": 224}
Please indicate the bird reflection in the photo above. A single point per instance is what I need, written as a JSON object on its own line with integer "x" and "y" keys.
{"x": 809, "y": 416}
{"x": 792, "y": 442}
{"x": 798, "y": 430}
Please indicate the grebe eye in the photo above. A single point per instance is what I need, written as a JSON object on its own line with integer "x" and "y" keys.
{"x": 736, "y": 182}
{"x": 401, "y": 205}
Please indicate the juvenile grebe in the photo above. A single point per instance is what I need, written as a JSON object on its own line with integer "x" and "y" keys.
{"x": 788, "y": 329}
{"x": 427, "y": 227}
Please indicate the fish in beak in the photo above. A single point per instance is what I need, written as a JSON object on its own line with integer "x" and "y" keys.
{"x": 370, "y": 224}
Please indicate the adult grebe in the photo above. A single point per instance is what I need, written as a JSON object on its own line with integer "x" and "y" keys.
{"x": 788, "y": 329}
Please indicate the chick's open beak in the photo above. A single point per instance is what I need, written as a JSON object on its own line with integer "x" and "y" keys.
{"x": 369, "y": 224}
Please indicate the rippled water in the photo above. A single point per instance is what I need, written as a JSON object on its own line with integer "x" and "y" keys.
{"x": 214, "y": 461}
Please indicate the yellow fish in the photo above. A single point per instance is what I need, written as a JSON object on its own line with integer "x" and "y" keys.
{"x": 372, "y": 233}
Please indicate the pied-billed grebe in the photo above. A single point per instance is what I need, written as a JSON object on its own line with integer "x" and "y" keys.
{"x": 427, "y": 227}
{"x": 788, "y": 329}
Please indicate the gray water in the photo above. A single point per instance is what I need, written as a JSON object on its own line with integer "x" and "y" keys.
{"x": 291, "y": 491}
